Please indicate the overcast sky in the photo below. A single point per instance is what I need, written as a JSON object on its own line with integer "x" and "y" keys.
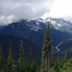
{"x": 23, "y": 9}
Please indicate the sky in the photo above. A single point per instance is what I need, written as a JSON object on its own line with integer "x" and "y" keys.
{"x": 11, "y": 10}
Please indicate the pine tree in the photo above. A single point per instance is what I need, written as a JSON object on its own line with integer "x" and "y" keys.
{"x": 1, "y": 61}
{"x": 30, "y": 56}
{"x": 46, "y": 51}
{"x": 30, "y": 63}
{"x": 10, "y": 60}
{"x": 21, "y": 61}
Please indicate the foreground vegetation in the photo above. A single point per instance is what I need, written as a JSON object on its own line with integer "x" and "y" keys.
{"x": 60, "y": 65}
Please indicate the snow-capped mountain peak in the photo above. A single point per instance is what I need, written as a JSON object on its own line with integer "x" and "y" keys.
{"x": 60, "y": 24}
{"x": 35, "y": 24}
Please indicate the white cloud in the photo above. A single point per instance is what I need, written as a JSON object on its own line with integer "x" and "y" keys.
{"x": 61, "y": 8}
{"x": 24, "y": 9}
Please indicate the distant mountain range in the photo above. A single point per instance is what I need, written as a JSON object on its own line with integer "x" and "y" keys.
{"x": 32, "y": 33}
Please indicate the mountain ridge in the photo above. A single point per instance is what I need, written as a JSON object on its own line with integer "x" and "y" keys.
{"x": 24, "y": 29}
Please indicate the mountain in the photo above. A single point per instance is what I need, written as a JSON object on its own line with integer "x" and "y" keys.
{"x": 24, "y": 29}
{"x": 32, "y": 33}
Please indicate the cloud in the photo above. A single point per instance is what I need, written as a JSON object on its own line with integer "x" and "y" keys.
{"x": 24, "y": 8}
{"x": 61, "y": 8}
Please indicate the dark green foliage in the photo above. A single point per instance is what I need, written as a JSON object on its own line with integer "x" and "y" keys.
{"x": 21, "y": 61}
{"x": 1, "y": 60}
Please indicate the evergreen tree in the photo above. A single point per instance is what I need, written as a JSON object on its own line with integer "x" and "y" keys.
{"x": 46, "y": 51}
{"x": 1, "y": 61}
{"x": 30, "y": 55}
{"x": 10, "y": 62}
{"x": 21, "y": 62}
{"x": 31, "y": 67}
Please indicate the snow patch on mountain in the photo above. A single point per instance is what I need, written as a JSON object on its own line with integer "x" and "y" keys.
{"x": 62, "y": 25}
